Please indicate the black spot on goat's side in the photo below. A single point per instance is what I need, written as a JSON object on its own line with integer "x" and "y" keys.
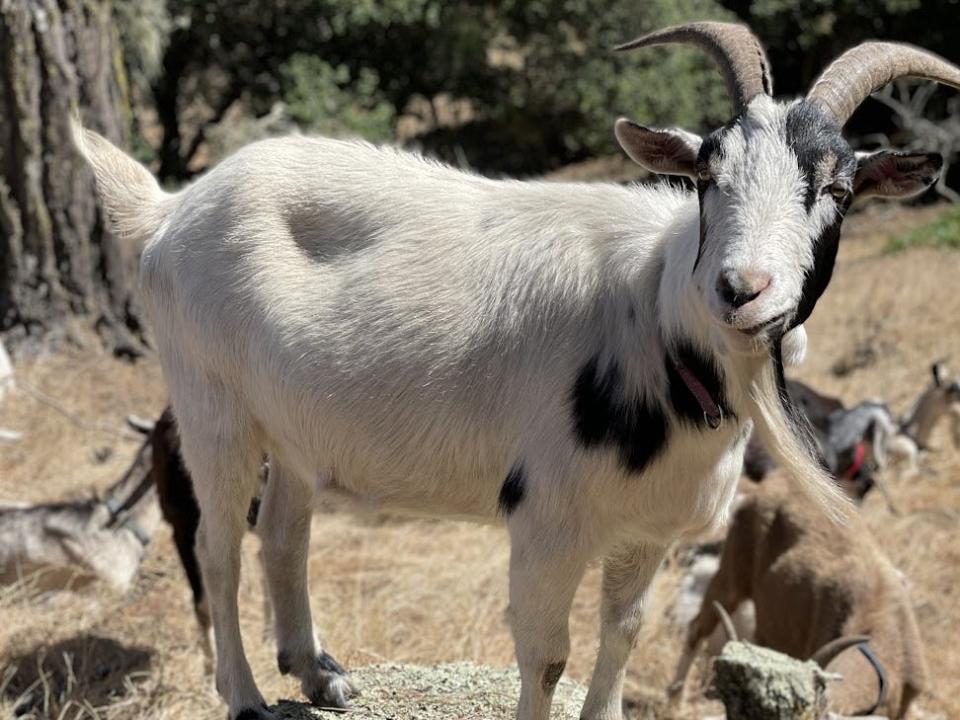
{"x": 512, "y": 490}
{"x": 604, "y": 417}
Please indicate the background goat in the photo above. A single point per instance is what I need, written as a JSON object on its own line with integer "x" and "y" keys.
{"x": 941, "y": 398}
{"x": 178, "y": 504}
{"x": 585, "y": 361}
{"x": 852, "y": 441}
{"x": 72, "y": 543}
{"x": 811, "y": 582}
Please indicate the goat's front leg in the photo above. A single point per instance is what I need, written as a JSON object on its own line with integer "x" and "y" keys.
{"x": 545, "y": 570}
{"x": 955, "y": 424}
{"x": 283, "y": 524}
{"x": 626, "y": 577}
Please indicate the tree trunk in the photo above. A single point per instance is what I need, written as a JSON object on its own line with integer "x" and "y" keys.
{"x": 57, "y": 260}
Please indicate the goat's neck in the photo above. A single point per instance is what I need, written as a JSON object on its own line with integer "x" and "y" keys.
{"x": 657, "y": 273}
{"x": 684, "y": 318}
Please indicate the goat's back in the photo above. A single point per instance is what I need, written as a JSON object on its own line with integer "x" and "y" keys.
{"x": 812, "y": 581}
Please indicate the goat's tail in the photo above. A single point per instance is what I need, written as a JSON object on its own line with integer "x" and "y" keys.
{"x": 130, "y": 195}
{"x": 790, "y": 443}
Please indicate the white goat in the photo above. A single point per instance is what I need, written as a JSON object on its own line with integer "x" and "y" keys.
{"x": 940, "y": 398}
{"x": 585, "y": 361}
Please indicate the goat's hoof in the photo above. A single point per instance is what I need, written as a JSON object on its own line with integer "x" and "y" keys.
{"x": 330, "y": 690}
{"x": 251, "y": 713}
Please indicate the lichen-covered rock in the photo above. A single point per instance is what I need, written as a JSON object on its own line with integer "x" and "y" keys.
{"x": 453, "y": 691}
{"x": 756, "y": 683}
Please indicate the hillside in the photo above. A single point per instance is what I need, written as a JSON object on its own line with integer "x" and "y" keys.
{"x": 426, "y": 592}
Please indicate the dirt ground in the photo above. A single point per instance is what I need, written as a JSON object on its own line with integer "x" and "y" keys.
{"x": 431, "y": 592}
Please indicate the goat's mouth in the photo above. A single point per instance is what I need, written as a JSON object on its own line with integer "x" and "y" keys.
{"x": 774, "y": 323}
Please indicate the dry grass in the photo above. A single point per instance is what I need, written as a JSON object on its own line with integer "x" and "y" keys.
{"x": 429, "y": 592}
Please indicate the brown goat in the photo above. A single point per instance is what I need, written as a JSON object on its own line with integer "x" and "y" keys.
{"x": 813, "y": 581}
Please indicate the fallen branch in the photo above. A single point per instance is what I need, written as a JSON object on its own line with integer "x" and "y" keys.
{"x": 55, "y": 404}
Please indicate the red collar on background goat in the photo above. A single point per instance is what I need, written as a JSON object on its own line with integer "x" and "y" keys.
{"x": 859, "y": 454}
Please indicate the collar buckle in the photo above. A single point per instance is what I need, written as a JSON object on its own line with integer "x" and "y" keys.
{"x": 713, "y": 420}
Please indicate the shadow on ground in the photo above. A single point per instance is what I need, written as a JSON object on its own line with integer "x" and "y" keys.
{"x": 85, "y": 671}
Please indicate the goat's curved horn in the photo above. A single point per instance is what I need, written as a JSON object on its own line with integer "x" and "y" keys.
{"x": 830, "y": 650}
{"x": 863, "y": 69}
{"x": 732, "y": 46}
{"x": 727, "y": 623}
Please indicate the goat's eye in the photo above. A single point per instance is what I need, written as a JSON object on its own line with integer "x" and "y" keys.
{"x": 703, "y": 174}
{"x": 838, "y": 190}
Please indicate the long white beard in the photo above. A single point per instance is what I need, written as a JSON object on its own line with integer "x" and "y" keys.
{"x": 792, "y": 451}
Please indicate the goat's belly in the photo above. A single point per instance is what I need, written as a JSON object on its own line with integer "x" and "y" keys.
{"x": 367, "y": 463}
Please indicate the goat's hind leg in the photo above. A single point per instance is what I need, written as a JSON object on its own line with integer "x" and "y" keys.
{"x": 222, "y": 457}
{"x": 284, "y": 528}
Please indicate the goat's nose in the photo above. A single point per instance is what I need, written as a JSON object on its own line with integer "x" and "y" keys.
{"x": 737, "y": 289}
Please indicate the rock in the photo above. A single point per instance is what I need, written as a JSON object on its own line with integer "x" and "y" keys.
{"x": 452, "y": 691}
{"x": 756, "y": 683}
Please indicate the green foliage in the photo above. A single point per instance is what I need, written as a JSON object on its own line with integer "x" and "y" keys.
{"x": 572, "y": 72}
{"x": 539, "y": 81}
{"x": 802, "y": 36}
{"x": 330, "y": 101}
{"x": 144, "y": 26}
{"x": 538, "y": 77}
{"x": 941, "y": 232}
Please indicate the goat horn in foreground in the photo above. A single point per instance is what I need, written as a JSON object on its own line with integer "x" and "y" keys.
{"x": 863, "y": 69}
{"x": 829, "y": 651}
{"x": 727, "y": 623}
{"x": 732, "y": 46}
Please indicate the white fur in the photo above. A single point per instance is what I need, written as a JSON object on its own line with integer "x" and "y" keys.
{"x": 401, "y": 333}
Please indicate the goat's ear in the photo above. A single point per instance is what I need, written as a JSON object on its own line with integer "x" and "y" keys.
{"x": 793, "y": 346}
{"x": 669, "y": 152}
{"x": 888, "y": 173}
{"x": 939, "y": 371}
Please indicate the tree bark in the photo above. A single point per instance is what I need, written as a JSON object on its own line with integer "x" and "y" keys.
{"x": 57, "y": 260}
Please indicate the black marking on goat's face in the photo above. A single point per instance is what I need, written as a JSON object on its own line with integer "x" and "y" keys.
{"x": 512, "y": 490}
{"x": 603, "y": 416}
{"x": 822, "y": 153}
{"x": 710, "y": 153}
{"x": 552, "y": 673}
{"x": 825, "y": 158}
{"x": 817, "y": 276}
{"x": 772, "y": 186}
{"x": 705, "y": 369}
